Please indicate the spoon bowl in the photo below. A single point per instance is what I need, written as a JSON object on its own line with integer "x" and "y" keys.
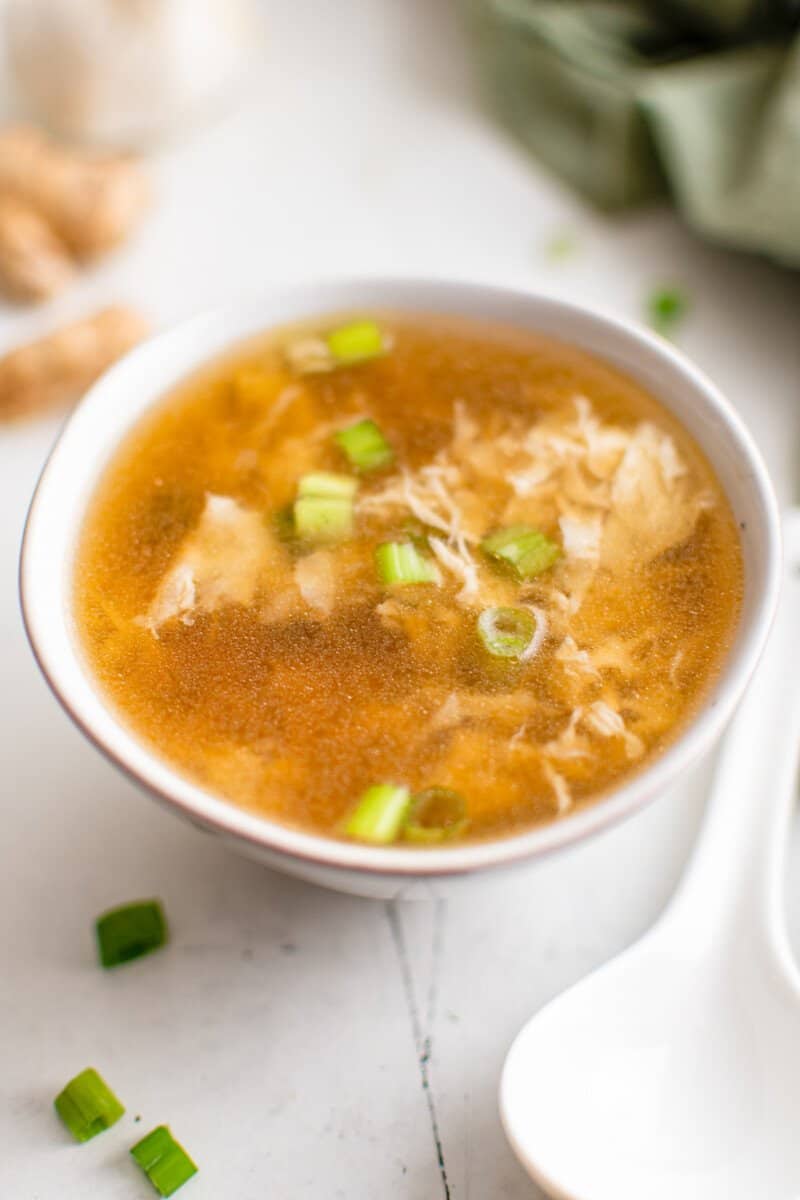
{"x": 662, "y": 1077}
{"x": 673, "y": 1072}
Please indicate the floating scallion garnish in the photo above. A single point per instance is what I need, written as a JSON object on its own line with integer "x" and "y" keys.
{"x": 324, "y": 508}
{"x": 364, "y": 445}
{"x": 346, "y": 346}
{"x": 357, "y": 342}
{"x": 402, "y": 563}
{"x": 524, "y": 550}
{"x": 379, "y": 815}
{"x": 320, "y": 519}
{"x": 507, "y": 632}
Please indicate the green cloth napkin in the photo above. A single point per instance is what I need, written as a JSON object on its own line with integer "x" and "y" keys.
{"x": 628, "y": 100}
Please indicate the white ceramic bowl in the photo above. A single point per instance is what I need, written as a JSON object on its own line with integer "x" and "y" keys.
{"x": 117, "y": 402}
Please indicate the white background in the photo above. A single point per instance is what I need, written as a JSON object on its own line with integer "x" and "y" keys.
{"x": 274, "y": 1034}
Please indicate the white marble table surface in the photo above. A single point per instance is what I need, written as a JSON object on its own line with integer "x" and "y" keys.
{"x": 281, "y": 1033}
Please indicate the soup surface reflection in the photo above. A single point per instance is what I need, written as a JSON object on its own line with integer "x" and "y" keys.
{"x": 400, "y": 578}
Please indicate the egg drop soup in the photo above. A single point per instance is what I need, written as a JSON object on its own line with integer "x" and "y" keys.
{"x": 407, "y": 579}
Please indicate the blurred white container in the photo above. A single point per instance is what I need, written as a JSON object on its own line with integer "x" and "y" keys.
{"x": 125, "y": 72}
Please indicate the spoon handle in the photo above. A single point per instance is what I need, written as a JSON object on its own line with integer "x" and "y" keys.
{"x": 735, "y": 876}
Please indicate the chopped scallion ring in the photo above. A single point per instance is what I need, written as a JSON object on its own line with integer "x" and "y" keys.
{"x": 130, "y": 932}
{"x": 327, "y": 484}
{"x": 435, "y": 814}
{"x": 87, "y": 1105}
{"x": 364, "y": 445}
{"x": 165, "y": 1163}
{"x": 507, "y": 632}
{"x": 401, "y": 562}
{"x": 378, "y": 817}
{"x": 356, "y": 343}
{"x": 525, "y": 550}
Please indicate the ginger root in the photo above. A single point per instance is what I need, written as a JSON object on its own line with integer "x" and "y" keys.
{"x": 34, "y": 262}
{"x": 91, "y": 200}
{"x": 53, "y": 371}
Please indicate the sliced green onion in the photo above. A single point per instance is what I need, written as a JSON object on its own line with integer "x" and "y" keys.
{"x": 507, "y": 632}
{"x": 327, "y": 484}
{"x": 401, "y": 562}
{"x": 666, "y": 309}
{"x": 525, "y": 550}
{"x": 322, "y": 518}
{"x": 365, "y": 446}
{"x": 435, "y": 814}
{"x": 87, "y": 1105}
{"x": 130, "y": 932}
{"x": 323, "y": 510}
{"x": 357, "y": 342}
{"x": 379, "y": 814}
{"x": 165, "y": 1163}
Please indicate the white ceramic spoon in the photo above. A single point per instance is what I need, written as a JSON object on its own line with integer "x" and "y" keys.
{"x": 673, "y": 1073}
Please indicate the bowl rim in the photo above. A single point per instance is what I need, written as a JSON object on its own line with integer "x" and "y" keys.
{"x": 133, "y": 757}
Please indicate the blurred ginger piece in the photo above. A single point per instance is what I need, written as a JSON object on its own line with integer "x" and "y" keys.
{"x": 53, "y": 371}
{"x": 34, "y": 262}
{"x": 92, "y": 201}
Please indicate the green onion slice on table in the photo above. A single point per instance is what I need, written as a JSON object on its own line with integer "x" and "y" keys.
{"x": 379, "y": 815}
{"x": 87, "y": 1105}
{"x": 401, "y": 562}
{"x": 364, "y": 446}
{"x": 524, "y": 550}
{"x": 666, "y": 310}
{"x": 165, "y": 1163}
{"x": 130, "y": 931}
{"x": 435, "y": 814}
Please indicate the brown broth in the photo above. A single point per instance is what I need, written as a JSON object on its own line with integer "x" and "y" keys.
{"x": 293, "y": 707}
